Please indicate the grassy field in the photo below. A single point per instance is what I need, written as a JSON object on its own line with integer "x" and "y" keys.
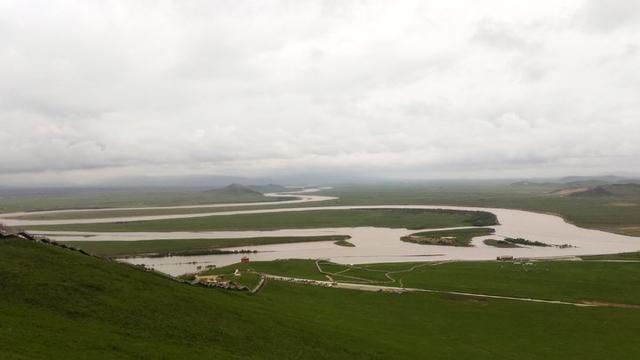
{"x": 621, "y": 256}
{"x": 395, "y": 218}
{"x": 556, "y": 280}
{"x": 500, "y": 243}
{"x": 457, "y": 237}
{"x": 72, "y": 306}
{"x": 146, "y": 247}
{"x": 52, "y": 199}
{"x": 618, "y": 212}
{"x": 552, "y": 280}
{"x": 149, "y": 212}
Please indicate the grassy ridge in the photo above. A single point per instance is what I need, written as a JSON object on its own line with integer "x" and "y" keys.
{"x": 59, "y": 304}
{"x": 129, "y": 248}
{"x": 395, "y": 218}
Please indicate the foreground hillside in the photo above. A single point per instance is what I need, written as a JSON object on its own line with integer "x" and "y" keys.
{"x": 55, "y": 303}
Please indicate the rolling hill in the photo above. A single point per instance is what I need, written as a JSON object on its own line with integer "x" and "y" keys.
{"x": 58, "y": 303}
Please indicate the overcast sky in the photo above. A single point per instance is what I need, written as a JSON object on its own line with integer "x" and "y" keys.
{"x": 95, "y": 90}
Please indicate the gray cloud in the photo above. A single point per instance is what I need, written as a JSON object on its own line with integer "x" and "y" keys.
{"x": 501, "y": 35}
{"x": 608, "y": 15}
{"x": 94, "y": 90}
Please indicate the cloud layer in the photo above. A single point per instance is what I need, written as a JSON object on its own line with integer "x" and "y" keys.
{"x": 96, "y": 89}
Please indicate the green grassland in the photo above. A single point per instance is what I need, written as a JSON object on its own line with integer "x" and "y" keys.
{"x": 555, "y": 280}
{"x": 395, "y": 218}
{"x": 55, "y": 303}
{"x": 621, "y": 256}
{"x": 147, "y": 247}
{"x": 104, "y": 214}
{"x": 456, "y": 237}
{"x": 107, "y": 198}
{"x": 551, "y": 280}
{"x": 500, "y": 243}
{"x": 617, "y": 212}
{"x": 344, "y": 243}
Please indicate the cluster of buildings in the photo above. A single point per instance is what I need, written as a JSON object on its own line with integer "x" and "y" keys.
{"x": 219, "y": 281}
{"x": 6, "y": 231}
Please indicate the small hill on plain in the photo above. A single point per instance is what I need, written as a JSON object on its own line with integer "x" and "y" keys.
{"x": 597, "y": 191}
{"x": 270, "y": 188}
{"x": 620, "y": 190}
{"x": 234, "y": 190}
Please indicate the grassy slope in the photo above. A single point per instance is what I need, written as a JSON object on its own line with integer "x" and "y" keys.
{"x": 398, "y": 218}
{"x": 58, "y": 304}
{"x": 122, "y": 248}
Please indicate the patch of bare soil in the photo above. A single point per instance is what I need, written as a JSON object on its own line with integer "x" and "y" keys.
{"x": 624, "y": 204}
{"x": 610, "y": 304}
{"x": 567, "y": 192}
{"x": 466, "y": 299}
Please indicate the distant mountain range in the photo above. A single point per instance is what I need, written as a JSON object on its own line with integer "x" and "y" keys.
{"x": 579, "y": 181}
{"x": 604, "y": 179}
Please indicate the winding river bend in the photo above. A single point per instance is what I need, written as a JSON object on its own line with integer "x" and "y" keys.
{"x": 373, "y": 244}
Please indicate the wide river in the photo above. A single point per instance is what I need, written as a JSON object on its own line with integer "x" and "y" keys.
{"x": 373, "y": 244}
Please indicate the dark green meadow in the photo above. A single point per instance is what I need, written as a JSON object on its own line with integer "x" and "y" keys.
{"x": 52, "y": 199}
{"x": 55, "y": 303}
{"x": 394, "y": 218}
{"x": 159, "y": 247}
